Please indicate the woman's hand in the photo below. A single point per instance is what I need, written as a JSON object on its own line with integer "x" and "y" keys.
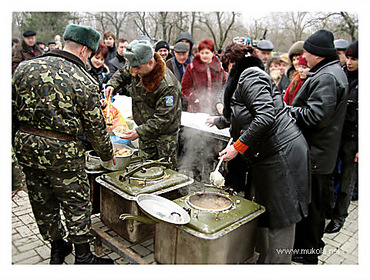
{"x": 229, "y": 153}
{"x": 210, "y": 121}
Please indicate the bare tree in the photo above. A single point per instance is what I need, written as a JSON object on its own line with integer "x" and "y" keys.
{"x": 219, "y": 26}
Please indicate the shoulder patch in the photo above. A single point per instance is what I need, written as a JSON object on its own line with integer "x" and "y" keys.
{"x": 169, "y": 101}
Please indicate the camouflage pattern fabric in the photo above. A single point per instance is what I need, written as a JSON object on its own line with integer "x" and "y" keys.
{"x": 18, "y": 177}
{"x": 156, "y": 107}
{"x": 49, "y": 192}
{"x": 165, "y": 146}
{"x": 56, "y": 93}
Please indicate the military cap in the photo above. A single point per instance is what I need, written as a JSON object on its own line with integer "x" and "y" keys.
{"x": 138, "y": 52}
{"x": 265, "y": 45}
{"x": 84, "y": 35}
{"x": 29, "y": 33}
{"x": 341, "y": 44}
{"x": 181, "y": 47}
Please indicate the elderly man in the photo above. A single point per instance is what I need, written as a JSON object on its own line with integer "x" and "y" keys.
{"x": 156, "y": 103}
{"x": 319, "y": 108}
{"x": 341, "y": 46}
{"x": 178, "y": 64}
{"x": 27, "y": 50}
{"x": 55, "y": 100}
{"x": 264, "y": 50}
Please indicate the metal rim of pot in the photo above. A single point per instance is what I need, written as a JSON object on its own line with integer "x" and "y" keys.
{"x": 189, "y": 203}
{"x": 121, "y": 161}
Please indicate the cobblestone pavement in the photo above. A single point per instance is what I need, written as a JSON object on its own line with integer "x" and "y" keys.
{"x": 28, "y": 247}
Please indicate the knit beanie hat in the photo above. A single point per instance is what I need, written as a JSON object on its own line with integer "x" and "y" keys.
{"x": 162, "y": 45}
{"x": 138, "y": 52}
{"x": 352, "y": 50}
{"x": 302, "y": 61}
{"x": 321, "y": 44}
{"x": 84, "y": 35}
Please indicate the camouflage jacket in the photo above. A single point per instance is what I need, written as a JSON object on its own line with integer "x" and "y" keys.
{"x": 156, "y": 99}
{"x": 54, "y": 92}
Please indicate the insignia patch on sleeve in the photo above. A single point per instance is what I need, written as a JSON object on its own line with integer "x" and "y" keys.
{"x": 169, "y": 101}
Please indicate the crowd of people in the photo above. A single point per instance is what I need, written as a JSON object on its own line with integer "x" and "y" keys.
{"x": 293, "y": 119}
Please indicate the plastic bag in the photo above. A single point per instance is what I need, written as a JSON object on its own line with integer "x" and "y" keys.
{"x": 113, "y": 116}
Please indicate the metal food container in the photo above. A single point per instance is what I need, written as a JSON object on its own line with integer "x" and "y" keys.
{"x": 224, "y": 236}
{"x": 120, "y": 189}
{"x": 121, "y": 161}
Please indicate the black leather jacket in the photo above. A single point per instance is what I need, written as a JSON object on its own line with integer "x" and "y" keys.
{"x": 320, "y": 108}
{"x": 278, "y": 151}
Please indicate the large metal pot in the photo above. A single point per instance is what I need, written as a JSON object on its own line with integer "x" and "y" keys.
{"x": 217, "y": 236}
{"x": 121, "y": 161}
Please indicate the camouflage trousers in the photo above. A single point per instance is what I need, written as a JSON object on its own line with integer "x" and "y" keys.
{"x": 49, "y": 192}
{"x": 165, "y": 146}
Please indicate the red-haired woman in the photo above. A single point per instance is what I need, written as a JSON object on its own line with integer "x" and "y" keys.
{"x": 203, "y": 80}
{"x": 97, "y": 68}
{"x": 298, "y": 79}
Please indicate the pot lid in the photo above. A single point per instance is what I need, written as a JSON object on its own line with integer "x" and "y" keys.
{"x": 162, "y": 209}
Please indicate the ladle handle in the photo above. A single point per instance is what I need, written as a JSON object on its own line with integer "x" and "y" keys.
{"x": 222, "y": 158}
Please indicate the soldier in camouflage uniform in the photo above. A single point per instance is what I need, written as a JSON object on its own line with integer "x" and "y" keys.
{"x": 54, "y": 101}
{"x": 156, "y": 101}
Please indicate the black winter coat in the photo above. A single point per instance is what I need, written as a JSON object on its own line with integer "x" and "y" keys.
{"x": 350, "y": 127}
{"x": 277, "y": 153}
{"x": 320, "y": 108}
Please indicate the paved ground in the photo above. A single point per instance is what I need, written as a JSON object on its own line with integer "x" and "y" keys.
{"x": 28, "y": 246}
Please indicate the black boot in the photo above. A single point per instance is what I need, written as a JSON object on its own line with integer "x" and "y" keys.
{"x": 84, "y": 255}
{"x": 59, "y": 250}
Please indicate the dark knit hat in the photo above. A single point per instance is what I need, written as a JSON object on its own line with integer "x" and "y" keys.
{"x": 84, "y": 35}
{"x": 29, "y": 33}
{"x": 352, "y": 50}
{"x": 138, "y": 52}
{"x": 321, "y": 44}
{"x": 162, "y": 45}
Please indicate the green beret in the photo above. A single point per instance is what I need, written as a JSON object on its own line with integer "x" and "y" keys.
{"x": 84, "y": 35}
{"x": 138, "y": 52}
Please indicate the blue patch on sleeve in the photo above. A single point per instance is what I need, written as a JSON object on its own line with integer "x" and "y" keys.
{"x": 169, "y": 101}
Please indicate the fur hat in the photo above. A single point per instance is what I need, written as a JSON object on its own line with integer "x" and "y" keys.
{"x": 321, "y": 43}
{"x": 84, "y": 35}
{"x": 138, "y": 52}
{"x": 295, "y": 49}
{"x": 352, "y": 50}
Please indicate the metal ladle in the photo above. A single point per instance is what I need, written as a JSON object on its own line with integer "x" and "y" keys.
{"x": 216, "y": 177}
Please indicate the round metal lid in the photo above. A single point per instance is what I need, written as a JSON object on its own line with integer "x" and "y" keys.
{"x": 163, "y": 209}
